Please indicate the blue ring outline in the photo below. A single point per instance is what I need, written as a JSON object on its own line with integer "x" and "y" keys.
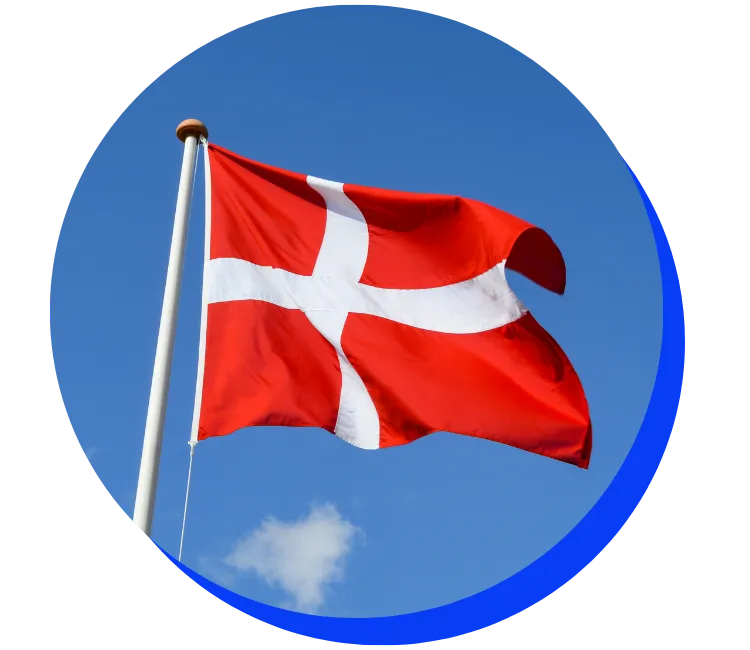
{"x": 563, "y": 561}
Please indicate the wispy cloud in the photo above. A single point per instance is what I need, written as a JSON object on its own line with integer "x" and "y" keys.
{"x": 217, "y": 572}
{"x": 301, "y": 557}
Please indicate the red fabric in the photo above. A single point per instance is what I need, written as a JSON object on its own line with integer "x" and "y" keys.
{"x": 266, "y": 365}
{"x": 264, "y": 215}
{"x": 419, "y": 241}
{"x": 512, "y": 384}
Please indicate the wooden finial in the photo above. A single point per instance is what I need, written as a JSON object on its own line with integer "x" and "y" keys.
{"x": 191, "y": 127}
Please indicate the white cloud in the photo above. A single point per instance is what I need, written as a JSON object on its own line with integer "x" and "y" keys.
{"x": 217, "y": 572}
{"x": 302, "y": 557}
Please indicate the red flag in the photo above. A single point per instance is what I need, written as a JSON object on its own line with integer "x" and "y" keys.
{"x": 380, "y": 316}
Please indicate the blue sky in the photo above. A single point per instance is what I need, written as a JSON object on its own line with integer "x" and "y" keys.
{"x": 387, "y": 98}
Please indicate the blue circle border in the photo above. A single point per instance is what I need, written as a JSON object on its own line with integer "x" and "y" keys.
{"x": 548, "y": 573}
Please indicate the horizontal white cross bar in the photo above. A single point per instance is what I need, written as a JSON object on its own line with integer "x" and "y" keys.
{"x": 476, "y": 305}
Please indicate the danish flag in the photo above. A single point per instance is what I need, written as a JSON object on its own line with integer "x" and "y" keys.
{"x": 380, "y": 316}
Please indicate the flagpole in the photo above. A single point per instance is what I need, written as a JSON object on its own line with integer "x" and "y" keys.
{"x": 189, "y": 132}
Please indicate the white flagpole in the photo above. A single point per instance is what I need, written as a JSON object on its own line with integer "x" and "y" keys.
{"x": 189, "y": 132}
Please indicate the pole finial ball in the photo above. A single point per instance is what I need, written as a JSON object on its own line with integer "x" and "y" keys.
{"x": 191, "y": 127}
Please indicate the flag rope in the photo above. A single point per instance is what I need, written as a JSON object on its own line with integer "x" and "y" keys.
{"x": 192, "y": 444}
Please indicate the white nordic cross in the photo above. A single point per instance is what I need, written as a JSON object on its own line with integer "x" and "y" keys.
{"x": 333, "y": 292}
